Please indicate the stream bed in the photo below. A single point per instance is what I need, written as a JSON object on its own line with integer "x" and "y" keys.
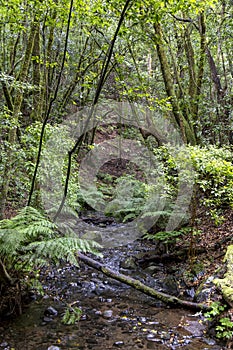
{"x": 113, "y": 316}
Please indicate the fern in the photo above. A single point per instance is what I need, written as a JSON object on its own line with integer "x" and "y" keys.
{"x": 30, "y": 240}
{"x": 168, "y": 236}
{"x": 64, "y": 248}
{"x": 29, "y": 225}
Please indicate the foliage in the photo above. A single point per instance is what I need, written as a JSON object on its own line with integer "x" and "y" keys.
{"x": 72, "y": 315}
{"x": 224, "y": 327}
{"x": 214, "y": 175}
{"x": 31, "y": 65}
{"x": 168, "y": 236}
{"x": 128, "y": 199}
{"x": 29, "y": 240}
{"x": 216, "y": 309}
{"x": 211, "y": 170}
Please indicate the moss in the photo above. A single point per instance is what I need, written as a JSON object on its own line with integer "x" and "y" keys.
{"x": 226, "y": 283}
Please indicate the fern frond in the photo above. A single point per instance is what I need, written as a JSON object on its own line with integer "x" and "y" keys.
{"x": 30, "y": 240}
{"x": 64, "y": 248}
{"x": 39, "y": 228}
{"x": 10, "y": 241}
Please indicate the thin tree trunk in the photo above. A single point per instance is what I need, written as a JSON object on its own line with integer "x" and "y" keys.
{"x": 166, "y": 298}
{"x": 18, "y": 99}
{"x": 36, "y": 103}
{"x": 201, "y": 64}
{"x": 168, "y": 82}
{"x": 100, "y": 84}
{"x": 51, "y": 101}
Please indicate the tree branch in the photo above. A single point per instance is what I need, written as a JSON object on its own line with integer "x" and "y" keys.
{"x": 4, "y": 275}
{"x": 136, "y": 284}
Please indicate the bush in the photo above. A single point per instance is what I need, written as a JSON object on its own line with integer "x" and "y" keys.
{"x": 214, "y": 175}
{"x": 209, "y": 168}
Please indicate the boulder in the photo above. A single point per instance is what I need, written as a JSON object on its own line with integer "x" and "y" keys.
{"x": 226, "y": 283}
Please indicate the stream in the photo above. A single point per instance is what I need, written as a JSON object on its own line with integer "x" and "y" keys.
{"x": 113, "y": 315}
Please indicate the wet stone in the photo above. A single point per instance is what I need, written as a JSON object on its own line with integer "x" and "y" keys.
{"x": 169, "y": 284}
{"x": 50, "y": 311}
{"x": 107, "y": 313}
{"x": 132, "y": 316}
{"x": 98, "y": 312}
{"x": 119, "y": 344}
{"x": 151, "y": 337}
{"x": 190, "y": 292}
{"x": 128, "y": 264}
{"x": 203, "y": 295}
{"x": 209, "y": 341}
{"x": 153, "y": 269}
{"x": 100, "y": 334}
{"x": 47, "y": 319}
{"x": 165, "y": 335}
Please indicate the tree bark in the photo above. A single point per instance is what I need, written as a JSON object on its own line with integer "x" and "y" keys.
{"x": 186, "y": 132}
{"x": 136, "y": 284}
{"x": 36, "y": 76}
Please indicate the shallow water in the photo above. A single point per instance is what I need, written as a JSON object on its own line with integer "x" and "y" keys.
{"x": 113, "y": 315}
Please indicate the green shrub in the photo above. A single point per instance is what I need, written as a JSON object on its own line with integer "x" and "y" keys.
{"x": 128, "y": 199}
{"x": 214, "y": 175}
{"x": 224, "y": 327}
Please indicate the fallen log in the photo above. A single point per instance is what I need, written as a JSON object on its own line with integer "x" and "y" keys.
{"x": 136, "y": 284}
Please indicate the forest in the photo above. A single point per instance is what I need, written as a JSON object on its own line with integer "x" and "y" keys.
{"x": 116, "y": 126}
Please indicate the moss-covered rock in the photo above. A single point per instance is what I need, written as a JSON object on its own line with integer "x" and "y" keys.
{"x": 226, "y": 283}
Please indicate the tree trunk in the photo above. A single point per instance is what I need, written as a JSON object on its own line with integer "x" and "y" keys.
{"x": 36, "y": 76}
{"x": 186, "y": 132}
{"x": 166, "y": 298}
{"x": 18, "y": 99}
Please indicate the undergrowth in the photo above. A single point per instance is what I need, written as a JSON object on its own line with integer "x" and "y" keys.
{"x": 29, "y": 241}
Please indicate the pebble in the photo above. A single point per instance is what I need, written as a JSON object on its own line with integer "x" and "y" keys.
{"x": 47, "y": 319}
{"x": 3, "y": 344}
{"x": 50, "y": 311}
{"x": 54, "y": 348}
{"x": 151, "y": 337}
{"x": 107, "y": 313}
{"x": 98, "y": 312}
{"x": 209, "y": 341}
{"x": 165, "y": 335}
{"x": 119, "y": 344}
{"x": 100, "y": 334}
